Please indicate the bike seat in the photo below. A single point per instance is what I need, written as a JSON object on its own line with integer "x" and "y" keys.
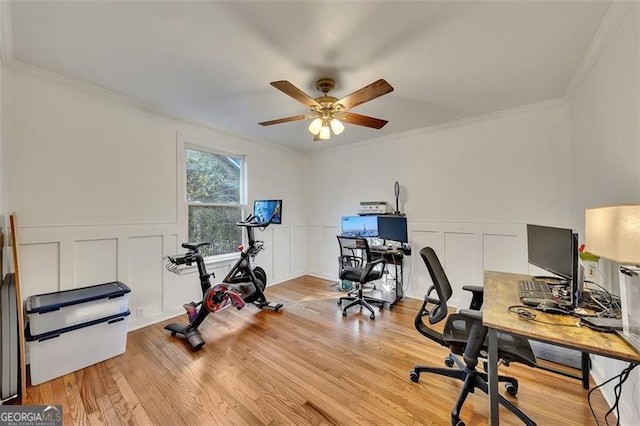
{"x": 194, "y": 247}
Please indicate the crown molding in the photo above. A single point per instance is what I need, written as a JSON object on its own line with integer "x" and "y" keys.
{"x": 59, "y": 79}
{"x": 610, "y": 24}
{"x": 450, "y": 124}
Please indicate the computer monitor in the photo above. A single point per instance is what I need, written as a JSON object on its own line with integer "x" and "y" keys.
{"x": 393, "y": 228}
{"x": 265, "y": 209}
{"x": 360, "y": 226}
{"x": 556, "y": 250}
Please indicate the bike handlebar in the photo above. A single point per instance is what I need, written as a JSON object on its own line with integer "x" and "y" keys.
{"x": 249, "y": 221}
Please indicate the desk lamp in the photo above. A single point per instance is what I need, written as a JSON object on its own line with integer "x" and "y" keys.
{"x": 613, "y": 233}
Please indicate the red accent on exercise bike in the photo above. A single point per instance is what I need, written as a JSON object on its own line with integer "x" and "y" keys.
{"x": 220, "y": 296}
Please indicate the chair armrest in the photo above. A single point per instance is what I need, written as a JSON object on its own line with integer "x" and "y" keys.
{"x": 478, "y": 296}
{"x": 471, "y": 314}
{"x": 369, "y": 267}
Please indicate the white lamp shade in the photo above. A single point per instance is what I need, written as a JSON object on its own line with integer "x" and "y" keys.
{"x": 325, "y": 133}
{"x": 614, "y": 233}
{"x": 315, "y": 126}
{"x": 336, "y": 126}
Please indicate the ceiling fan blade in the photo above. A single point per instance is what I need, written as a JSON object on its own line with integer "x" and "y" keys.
{"x": 362, "y": 120}
{"x": 297, "y": 94}
{"x": 367, "y": 93}
{"x": 284, "y": 120}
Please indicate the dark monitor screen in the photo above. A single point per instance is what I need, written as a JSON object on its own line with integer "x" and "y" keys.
{"x": 555, "y": 250}
{"x": 551, "y": 249}
{"x": 265, "y": 209}
{"x": 393, "y": 228}
{"x": 360, "y": 226}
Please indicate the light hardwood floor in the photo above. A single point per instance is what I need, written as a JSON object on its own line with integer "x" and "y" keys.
{"x": 306, "y": 364}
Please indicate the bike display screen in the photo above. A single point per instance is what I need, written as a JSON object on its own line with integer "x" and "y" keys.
{"x": 265, "y": 209}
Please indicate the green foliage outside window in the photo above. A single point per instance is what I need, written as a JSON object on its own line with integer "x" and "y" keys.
{"x": 214, "y": 185}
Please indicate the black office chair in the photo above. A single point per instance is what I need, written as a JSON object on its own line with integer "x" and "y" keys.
{"x": 356, "y": 266}
{"x": 465, "y": 335}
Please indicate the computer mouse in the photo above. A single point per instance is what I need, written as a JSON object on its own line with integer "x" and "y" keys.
{"x": 551, "y": 308}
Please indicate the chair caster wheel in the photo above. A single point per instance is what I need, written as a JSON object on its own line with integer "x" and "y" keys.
{"x": 372, "y": 316}
{"x": 415, "y": 377}
{"x": 511, "y": 389}
{"x": 455, "y": 421}
{"x": 173, "y": 333}
{"x": 449, "y": 362}
{"x": 339, "y": 302}
{"x": 344, "y": 314}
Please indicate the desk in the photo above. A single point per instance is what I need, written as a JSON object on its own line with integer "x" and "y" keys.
{"x": 393, "y": 257}
{"x": 500, "y": 292}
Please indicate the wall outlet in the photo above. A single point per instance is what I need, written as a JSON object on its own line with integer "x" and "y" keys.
{"x": 139, "y": 313}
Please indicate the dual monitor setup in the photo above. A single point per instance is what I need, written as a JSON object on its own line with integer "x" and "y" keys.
{"x": 385, "y": 227}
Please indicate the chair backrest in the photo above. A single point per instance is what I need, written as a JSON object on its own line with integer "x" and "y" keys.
{"x": 440, "y": 283}
{"x": 355, "y": 261}
{"x": 356, "y": 247}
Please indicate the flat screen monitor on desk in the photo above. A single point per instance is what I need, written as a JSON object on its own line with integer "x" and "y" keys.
{"x": 393, "y": 228}
{"x": 360, "y": 226}
{"x": 556, "y": 250}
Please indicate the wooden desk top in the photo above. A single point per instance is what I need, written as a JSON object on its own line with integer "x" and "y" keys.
{"x": 501, "y": 291}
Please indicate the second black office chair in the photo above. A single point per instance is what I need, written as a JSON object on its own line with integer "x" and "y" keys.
{"x": 465, "y": 335}
{"x": 356, "y": 266}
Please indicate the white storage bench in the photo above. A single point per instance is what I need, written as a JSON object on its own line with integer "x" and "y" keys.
{"x": 70, "y": 330}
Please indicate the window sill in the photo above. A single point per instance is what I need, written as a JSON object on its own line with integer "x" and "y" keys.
{"x": 222, "y": 258}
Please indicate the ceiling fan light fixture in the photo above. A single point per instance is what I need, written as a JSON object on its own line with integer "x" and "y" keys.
{"x": 315, "y": 126}
{"x": 336, "y": 126}
{"x": 325, "y": 133}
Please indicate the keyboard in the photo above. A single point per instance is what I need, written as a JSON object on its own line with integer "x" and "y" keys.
{"x": 533, "y": 293}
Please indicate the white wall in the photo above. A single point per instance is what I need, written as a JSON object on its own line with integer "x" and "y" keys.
{"x": 95, "y": 183}
{"x": 605, "y": 148}
{"x": 468, "y": 190}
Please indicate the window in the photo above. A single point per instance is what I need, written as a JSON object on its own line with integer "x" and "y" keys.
{"x": 214, "y": 197}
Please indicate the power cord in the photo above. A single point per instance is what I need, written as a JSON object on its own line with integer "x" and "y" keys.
{"x": 614, "y": 301}
{"x": 617, "y": 390}
{"x": 524, "y": 312}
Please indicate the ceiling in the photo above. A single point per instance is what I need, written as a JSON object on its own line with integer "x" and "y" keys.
{"x": 211, "y": 62}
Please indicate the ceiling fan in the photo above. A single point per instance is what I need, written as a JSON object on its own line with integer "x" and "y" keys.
{"x": 329, "y": 112}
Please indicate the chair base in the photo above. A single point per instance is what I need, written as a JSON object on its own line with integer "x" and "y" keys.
{"x": 472, "y": 379}
{"x": 360, "y": 301}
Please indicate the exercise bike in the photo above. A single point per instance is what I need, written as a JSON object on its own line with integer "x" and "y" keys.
{"x": 243, "y": 284}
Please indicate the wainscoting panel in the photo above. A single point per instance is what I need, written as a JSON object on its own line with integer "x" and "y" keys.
{"x": 420, "y": 281}
{"x": 282, "y": 253}
{"x": 461, "y": 263}
{"x": 145, "y": 275}
{"x": 96, "y": 261}
{"x": 507, "y": 253}
{"x": 299, "y": 251}
{"x": 465, "y": 250}
{"x": 39, "y": 268}
{"x": 330, "y": 252}
{"x": 314, "y": 244}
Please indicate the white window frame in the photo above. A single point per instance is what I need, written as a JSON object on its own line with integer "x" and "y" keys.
{"x": 243, "y": 191}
